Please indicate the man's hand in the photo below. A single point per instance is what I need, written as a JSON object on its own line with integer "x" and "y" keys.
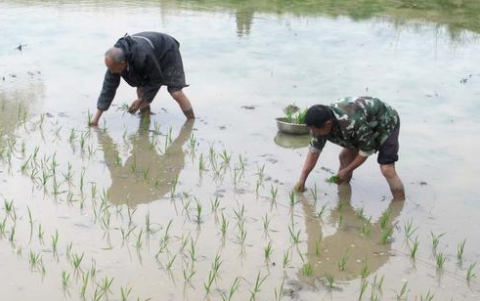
{"x": 300, "y": 187}
{"x": 137, "y": 105}
{"x": 344, "y": 175}
{"x": 96, "y": 118}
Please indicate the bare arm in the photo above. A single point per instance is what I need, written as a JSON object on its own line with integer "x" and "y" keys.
{"x": 308, "y": 166}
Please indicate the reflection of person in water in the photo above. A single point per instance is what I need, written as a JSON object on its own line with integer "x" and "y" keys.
{"x": 356, "y": 237}
{"x": 146, "y": 175}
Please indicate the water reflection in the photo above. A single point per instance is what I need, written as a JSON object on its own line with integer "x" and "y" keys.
{"x": 145, "y": 175}
{"x": 356, "y": 238}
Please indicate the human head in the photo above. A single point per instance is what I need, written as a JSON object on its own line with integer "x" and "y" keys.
{"x": 115, "y": 60}
{"x": 319, "y": 119}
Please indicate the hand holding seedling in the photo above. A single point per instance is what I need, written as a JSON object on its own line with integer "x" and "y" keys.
{"x": 94, "y": 121}
{"x": 138, "y": 104}
{"x": 300, "y": 187}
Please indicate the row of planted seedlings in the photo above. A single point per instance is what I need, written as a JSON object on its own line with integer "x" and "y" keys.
{"x": 41, "y": 170}
{"x": 216, "y": 167}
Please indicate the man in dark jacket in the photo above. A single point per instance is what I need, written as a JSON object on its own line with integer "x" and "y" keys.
{"x": 145, "y": 60}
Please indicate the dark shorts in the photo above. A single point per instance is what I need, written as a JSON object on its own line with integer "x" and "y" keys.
{"x": 388, "y": 152}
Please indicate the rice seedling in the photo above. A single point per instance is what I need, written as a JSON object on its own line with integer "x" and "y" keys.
{"x": 90, "y": 116}
{"x": 198, "y": 217}
{"x": 257, "y": 286}
{"x": 225, "y": 158}
{"x": 240, "y": 214}
{"x": 192, "y": 141}
{"x": 83, "y": 140}
{"x": 125, "y": 293}
{"x": 82, "y": 180}
{"x": 292, "y": 198}
{"x": 65, "y": 279}
{"x": 131, "y": 213}
{"x": 242, "y": 233}
{"x": 126, "y": 232}
{"x": 427, "y": 297}
{"x": 35, "y": 259}
{"x": 359, "y": 213}
{"x": 385, "y": 218}
{"x": 363, "y": 289}
{"x": 409, "y": 229}
{"x": 461, "y": 249}
{"x": 42, "y": 120}
{"x": 133, "y": 165}
{"x": 40, "y": 233}
{"x": 440, "y": 260}
{"x": 402, "y": 295}
{"x": 378, "y": 284}
{"x": 191, "y": 251}
{"x": 261, "y": 172}
{"x": 414, "y": 248}
{"x": 12, "y": 234}
{"x": 266, "y": 223}
{"x": 307, "y": 270}
{"x": 55, "y": 242}
{"x": 8, "y": 206}
{"x": 314, "y": 192}
{"x": 3, "y": 226}
{"x": 210, "y": 280}
{"x": 24, "y": 166}
{"x": 201, "y": 164}
{"x": 364, "y": 271}
{"x": 72, "y": 136}
{"x": 139, "y": 239}
{"x": 224, "y": 225}
{"x": 258, "y": 185}
{"x": 68, "y": 251}
{"x": 470, "y": 272}
{"x": 343, "y": 262}
{"x": 85, "y": 279}
{"x": 294, "y": 236}
{"x": 241, "y": 163}
{"x": 318, "y": 248}
{"x": 435, "y": 241}
{"x": 330, "y": 280}
{"x": 215, "y": 204}
{"x": 286, "y": 259}
{"x": 187, "y": 276}
{"x": 97, "y": 294}
{"x": 233, "y": 289}
{"x": 77, "y": 261}
{"x": 106, "y": 284}
{"x": 385, "y": 235}
{"x": 93, "y": 269}
{"x": 273, "y": 192}
{"x": 333, "y": 179}
{"x": 322, "y": 211}
{"x": 268, "y": 251}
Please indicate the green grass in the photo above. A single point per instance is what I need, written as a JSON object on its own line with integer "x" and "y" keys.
{"x": 470, "y": 272}
{"x": 461, "y": 249}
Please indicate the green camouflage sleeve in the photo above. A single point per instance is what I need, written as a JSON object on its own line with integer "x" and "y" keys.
{"x": 317, "y": 144}
{"x": 366, "y": 140}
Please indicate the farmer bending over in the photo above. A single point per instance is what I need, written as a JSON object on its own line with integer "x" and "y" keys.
{"x": 362, "y": 126}
{"x": 145, "y": 60}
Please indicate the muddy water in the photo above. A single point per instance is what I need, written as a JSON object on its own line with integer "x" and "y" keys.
{"x": 138, "y": 198}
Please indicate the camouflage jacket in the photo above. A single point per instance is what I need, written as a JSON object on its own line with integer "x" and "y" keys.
{"x": 364, "y": 123}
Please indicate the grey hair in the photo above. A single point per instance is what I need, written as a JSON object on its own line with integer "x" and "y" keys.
{"x": 116, "y": 55}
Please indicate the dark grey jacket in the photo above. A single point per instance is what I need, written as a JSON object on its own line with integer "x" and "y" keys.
{"x": 153, "y": 59}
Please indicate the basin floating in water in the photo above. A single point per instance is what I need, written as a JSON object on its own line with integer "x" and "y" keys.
{"x": 291, "y": 128}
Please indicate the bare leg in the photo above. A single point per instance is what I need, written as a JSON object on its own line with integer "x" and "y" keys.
{"x": 346, "y": 156}
{"x": 394, "y": 181}
{"x": 184, "y": 103}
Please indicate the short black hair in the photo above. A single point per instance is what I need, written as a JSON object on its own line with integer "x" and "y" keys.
{"x": 317, "y": 115}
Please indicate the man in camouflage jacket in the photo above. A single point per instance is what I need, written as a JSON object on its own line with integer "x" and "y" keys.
{"x": 145, "y": 60}
{"x": 362, "y": 126}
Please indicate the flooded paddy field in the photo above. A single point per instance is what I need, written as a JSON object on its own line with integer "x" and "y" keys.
{"x": 163, "y": 209}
